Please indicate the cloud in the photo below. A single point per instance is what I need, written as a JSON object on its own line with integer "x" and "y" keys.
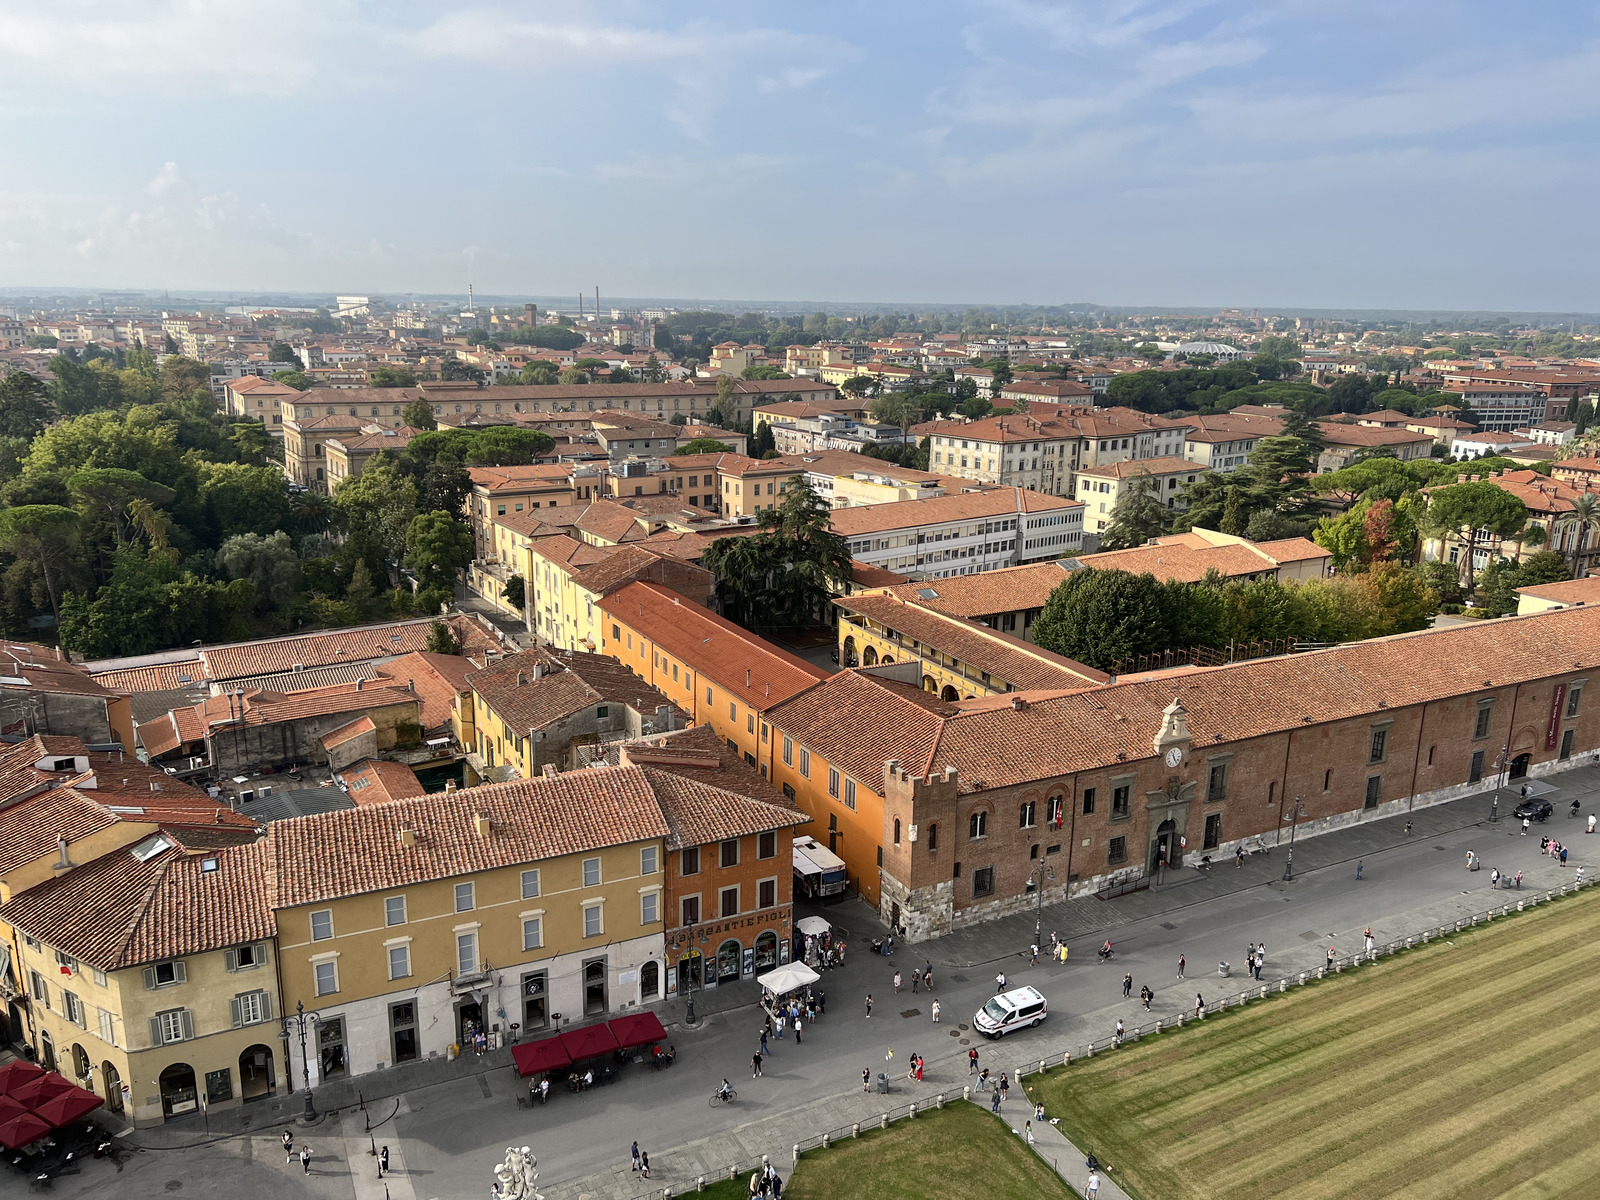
{"x": 164, "y": 179}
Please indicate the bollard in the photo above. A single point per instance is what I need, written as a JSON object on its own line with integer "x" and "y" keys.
{"x": 1410, "y": 942}
{"x": 855, "y": 1130}
{"x": 796, "y": 1152}
{"x": 1321, "y": 971}
{"x": 939, "y": 1100}
{"x": 1338, "y": 966}
{"x": 1283, "y": 986}
{"x": 966, "y": 1092}
{"x": 733, "y": 1172}
{"x": 1042, "y": 1068}
{"x": 1264, "y": 991}
{"x": 1066, "y": 1058}
{"x": 1136, "y": 1034}
{"x": 700, "y": 1183}
{"x": 1180, "y": 1020}
{"x": 1519, "y": 905}
{"x": 1158, "y": 1026}
{"x": 1088, "y": 1051}
{"x": 1302, "y": 978}
{"x": 1474, "y": 919}
{"x": 826, "y": 1141}
{"x": 883, "y": 1121}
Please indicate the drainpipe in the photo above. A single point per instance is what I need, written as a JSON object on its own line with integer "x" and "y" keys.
{"x": 1416, "y": 761}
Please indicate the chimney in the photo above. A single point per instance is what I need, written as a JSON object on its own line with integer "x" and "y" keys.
{"x": 449, "y": 785}
{"x": 64, "y": 862}
{"x": 359, "y": 682}
{"x": 408, "y": 838}
{"x": 747, "y": 677}
{"x": 480, "y": 824}
{"x": 1019, "y": 704}
{"x": 522, "y": 680}
{"x": 550, "y": 771}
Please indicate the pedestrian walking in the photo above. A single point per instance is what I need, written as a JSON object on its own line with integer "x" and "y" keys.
{"x": 972, "y": 1061}
{"x": 1519, "y": 880}
{"x": 919, "y": 1068}
{"x": 1563, "y": 856}
{"x": 1180, "y": 966}
{"x": 1118, "y": 1035}
{"x": 1331, "y": 957}
{"x": 1359, "y": 865}
{"x": 1000, "y": 983}
{"x": 897, "y": 983}
{"x": 798, "y": 1025}
{"x": 936, "y": 1003}
{"x": 1261, "y": 958}
{"x": 1238, "y": 858}
{"x": 305, "y": 1159}
{"x": 1525, "y": 826}
{"x": 1494, "y": 878}
{"x": 1408, "y": 828}
{"x": 927, "y": 976}
{"x": 994, "y": 1102}
{"x": 1367, "y": 934}
{"x": 811, "y": 1010}
{"x": 983, "y": 1079}
{"x": 634, "y": 1153}
{"x": 1033, "y": 955}
{"x": 1146, "y": 995}
{"x": 1092, "y": 1188}
{"x": 1199, "y": 1005}
{"x": 1005, "y": 1084}
{"x": 383, "y": 1162}
{"x": 866, "y": 1079}
{"x": 1063, "y": 953}
{"x": 644, "y": 1163}
{"x": 1127, "y": 985}
{"x": 755, "y": 1065}
{"x": 288, "y": 1146}
{"x": 916, "y": 981}
{"x": 869, "y": 1006}
{"x": 764, "y": 1049}
{"x": 1027, "y": 1131}
{"x": 1591, "y": 824}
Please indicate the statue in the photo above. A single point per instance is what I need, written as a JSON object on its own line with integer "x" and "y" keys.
{"x": 515, "y": 1177}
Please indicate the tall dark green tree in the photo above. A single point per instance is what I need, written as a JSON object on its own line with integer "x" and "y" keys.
{"x": 1138, "y": 515}
{"x": 25, "y": 407}
{"x": 784, "y": 575}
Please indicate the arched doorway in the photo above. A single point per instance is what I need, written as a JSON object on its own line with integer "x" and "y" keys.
{"x": 47, "y": 1050}
{"x": 766, "y": 950}
{"x": 887, "y": 658}
{"x": 1519, "y": 766}
{"x": 256, "y": 1077}
{"x": 728, "y": 955}
{"x": 689, "y": 963}
{"x": 178, "y": 1094}
{"x": 930, "y": 684}
{"x": 869, "y": 657}
{"x": 82, "y": 1067}
{"x": 849, "y": 652}
{"x": 594, "y": 988}
{"x": 650, "y": 980}
{"x": 112, "y": 1078}
{"x": 1164, "y": 846}
{"x": 948, "y": 693}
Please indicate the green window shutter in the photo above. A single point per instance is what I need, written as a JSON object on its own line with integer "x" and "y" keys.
{"x": 180, "y": 973}
{"x": 187, "y": 1018}
{"x": 155, "y": 1031}
{"x": 230, "y": 961}
{"x": 150, "y": 986}
{"x": 238, "y": 1017}
{"x": 266, "y": 1005}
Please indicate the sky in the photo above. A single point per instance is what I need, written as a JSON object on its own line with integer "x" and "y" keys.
{"x": 1336, "y": 153}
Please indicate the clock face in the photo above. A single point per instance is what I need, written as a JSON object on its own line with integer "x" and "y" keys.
{"x": 1174, "y": 757}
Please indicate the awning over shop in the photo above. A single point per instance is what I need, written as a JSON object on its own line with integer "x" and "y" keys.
{"x": 637, "y": 1029}
{"x": 535, "y": 1058}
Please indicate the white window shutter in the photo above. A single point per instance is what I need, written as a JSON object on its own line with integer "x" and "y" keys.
{"x": 155, "y": 1031}
{"x": 260, "y": 954}
{"x": 234, "y": 1008}
{"x": 180, "y": 973}
{"x": 187, "y": 1018}
{"x": 150, "y": 986}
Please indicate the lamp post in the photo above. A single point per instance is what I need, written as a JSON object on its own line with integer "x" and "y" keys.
{"x": 1502, "y": 765}
{"x": 1040, "y": 873}
{"x": 688, "y": 1013}
{"x": 1294, "y": 823}
{"x": 303, "y": 1020}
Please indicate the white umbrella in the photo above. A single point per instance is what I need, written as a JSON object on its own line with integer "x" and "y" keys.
{"x": 815, "y": 926}
{"x": 787, "y": 979}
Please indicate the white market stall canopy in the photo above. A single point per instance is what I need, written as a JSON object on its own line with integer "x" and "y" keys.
{"x": 787, "y": 979}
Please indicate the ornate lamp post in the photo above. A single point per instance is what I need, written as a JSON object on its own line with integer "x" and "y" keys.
{"x": 1294, "y": 823}
{"x": 688, "y": 1014}
{"x": 302, "y": 1020}
{"x": 1040, "y": 874}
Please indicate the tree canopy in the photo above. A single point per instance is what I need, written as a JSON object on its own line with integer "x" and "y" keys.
{"x": 786, "y": 573}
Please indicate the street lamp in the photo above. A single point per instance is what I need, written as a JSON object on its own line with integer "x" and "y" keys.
{"x": 688, "y": 1014}
{"x": 1501, "y": 766}
{"x": 302, "y": 1020}
{"x": 1036, "y": 881}
{"x": 1294, "y": 823}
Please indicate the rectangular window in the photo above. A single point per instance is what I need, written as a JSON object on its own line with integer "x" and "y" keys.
{"x": 733, "y": 711}
{"x": 1374, "y": 790}
{"x": 99, "y": 976}
{"x": 1379, "y": 738}
{"x": 728, "y": 899}
{"x": 400, "y": 961}
{"x": 1574, "y": 699}
{"x": 850, "y": 794}
{"x": 73, "y": 1007}
{"x": 730, "y": 852}
{"x": 767, "y": 845}
{"x": 1088, "y": 801}
{"x": 750, "y": 722}
{"x": 174, "y": 1025}
{"x": 394, "y": 910}
{"x": 530, "y": 885}
{"x": 1476, "y": 773}
{"x": 321, "y": 925}
{"x": 466, "y": 899}
{"x": 467, "y": 953}
{"x": 691, "y": 910}
{"x": 1217, "y": 784}
{"x": 767, "y": 893}
{"x": 690, "y": 861}
{"x": 327, "y": 977}
{"x": 1485, "y": 714}
{"x": 649, "y": 860}
{"x": 833, "y": 782}
{"x": 1117, "y": 850}
{"x": 1566, "y": 743}
{"x": 649, "y": 908}
{"x": 1213, "y": 831}
{"x": 983, "y": 882}
{"x": 250, "y": 1008}
{"x": 1119, "y": 801}
{"x": 805, "y": 763}
{"x": 591, "y": 872}
{"x": 532, "y": 933}
{"x": 788, "y": 752}
{"x": 108, "y": 1027}
{"x": 593, "y": 926}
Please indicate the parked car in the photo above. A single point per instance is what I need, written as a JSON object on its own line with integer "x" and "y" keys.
{"x": 1532, "y": 809}
{"x": 1017, "y": 1009}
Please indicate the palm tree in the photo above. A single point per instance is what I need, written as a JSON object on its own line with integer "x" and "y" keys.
{"x": 1586, "y": 516}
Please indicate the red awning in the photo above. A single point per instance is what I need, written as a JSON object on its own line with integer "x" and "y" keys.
{"x": 68, "y": 1107}
{"x": 10, "y": 1108}
{"x": 637, "y": 1029}
{"x": 19, "y": 1131}
{"x": 535, "y": 1058}
{"x": 588, "y": 1042}
{"x": 14, "y": 1074}
{"x": 36, "y": 1091}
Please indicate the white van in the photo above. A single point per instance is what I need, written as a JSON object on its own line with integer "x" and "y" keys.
{"x": 1018, "y": 1009}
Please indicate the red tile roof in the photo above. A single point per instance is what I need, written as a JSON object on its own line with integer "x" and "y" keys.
{"x": 436, "y": 679}
{"x": 965, "y": 506}
{"x": 378, "y": 781}
{"x": 740, "y": 663}
{"x": 1011, "y": 589}
{"x": 342, "y": 645}
{"x": 343, "y": 734}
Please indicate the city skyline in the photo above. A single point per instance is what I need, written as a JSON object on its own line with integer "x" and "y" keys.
{"x": 1263, "y": 155}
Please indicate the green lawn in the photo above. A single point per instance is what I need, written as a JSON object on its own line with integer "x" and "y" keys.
{"x": 959, "y": 1153}
{"x": 1464, "y": 1069}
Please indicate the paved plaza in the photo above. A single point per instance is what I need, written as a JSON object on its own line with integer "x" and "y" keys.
{"x": 446, "y": 1133}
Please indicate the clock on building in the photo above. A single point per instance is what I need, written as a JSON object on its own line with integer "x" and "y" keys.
{"x": 1174, "y": 756}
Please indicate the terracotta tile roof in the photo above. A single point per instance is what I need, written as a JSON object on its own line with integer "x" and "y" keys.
{"x": 522, "y": 479}
{"x": 29, "y": 827}
{"x": 117, "y": 911}
{"x": 1129, "y": 468}
{"x": 966, "y": 506}
{"x": 359, "y": 850}
{"x": 1006, "y": 659}
{"x": 44, "y": 670}
{"x": 536, "y": 688}
{"x": 700, "y": 462}
{"x": 740, "y": 663}
{"x": 865, "y": 575}
{"x": 160, "y": 736}
{"x": 1336, "y": 434}
{"x": 224, "y": 663}
{"x": 343, "y": 734}
{"x": 378, "y": 439}
{"x": 1539, "y": 493}
{"x": 859, "y": 721}
{"x": 436, "y": 679}
{"x": 161, "y": 677}
{"x": 705, "y": 798}
{"x": 1011, "y": 589}
{"x": 565, "y": 552}
{"x": 1187, "y": 557}
{"x": 617, "y": 569}
{"x": 378, "y": 781}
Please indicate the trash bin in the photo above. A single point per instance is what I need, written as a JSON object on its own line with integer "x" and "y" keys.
{"x": 883, "y": 1083}
{"x": 1222, "y": 970}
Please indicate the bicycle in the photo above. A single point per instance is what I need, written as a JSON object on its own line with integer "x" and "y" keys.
{"x": 718, "y": 1098}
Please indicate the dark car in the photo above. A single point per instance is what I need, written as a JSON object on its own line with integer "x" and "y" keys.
{"x": 1533, "y": 810}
